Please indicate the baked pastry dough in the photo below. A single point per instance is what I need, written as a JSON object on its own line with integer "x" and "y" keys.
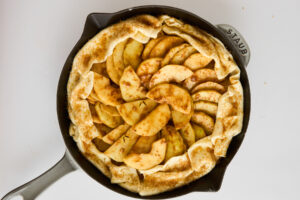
{"x": 154, "y": 102}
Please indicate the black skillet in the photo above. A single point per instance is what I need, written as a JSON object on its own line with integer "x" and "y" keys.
{"x": 74, "y": 160}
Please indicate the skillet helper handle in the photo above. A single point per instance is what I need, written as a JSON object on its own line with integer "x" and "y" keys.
{"x": 237, "y": 40}
{"x": 34, "y": 187}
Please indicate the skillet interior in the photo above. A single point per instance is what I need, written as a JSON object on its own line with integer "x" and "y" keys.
{"x": 97, "y": 21}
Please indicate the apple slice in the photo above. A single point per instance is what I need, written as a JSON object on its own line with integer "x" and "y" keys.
{"x": 197, "y": 61}
{"x": 105, "y": 92}
{"x": 177, "y": 97}
{"x": 164, "y": 45}
{"x": 130, "y": 85}
{"x": 132, "y": 53}
{"x": 209, "y": 86}
{"x": 118, "y": 150}
{"x": 149, "y": 46}
{"x": 110, "y": 110}
{"x": 115, "y": 134}
{"x": 207, "y": 107}
{"x": 145, "y": 79}
{"x": 133, "y": 112}
{"x": 207, "y": 95}
{"x": 182, "y": 55}
{"x": 172, "y": 52}
{"x": 188, "y": 134}
{"x": 95, "y": 116}
{"x": 175, "y": 73}
{"x": 144, "y": 143}
{"x": 154, "y": 121}
{"x": 115, "y": 63}
{"x": 200, "y": 76}
{"x": 106, "y": 118}
{"x": 147, "y": 68}
{"x": 180, "y": 120}
{"x": 199, "y": 132}
{"x": 204, "y": 120}
{"x": 175, "y": 144}
{"x": 93, "y": 98}
{"x": 103, "y": 129}
{"x": 148, "y": 160}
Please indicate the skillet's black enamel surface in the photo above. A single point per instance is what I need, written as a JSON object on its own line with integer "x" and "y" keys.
{"x": 98, "y": 21}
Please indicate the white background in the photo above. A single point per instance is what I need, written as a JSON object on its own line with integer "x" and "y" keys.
{"x": 37, "y": 36}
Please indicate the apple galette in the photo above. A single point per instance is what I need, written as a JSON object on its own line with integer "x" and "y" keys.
{"x": 154, "y": 102}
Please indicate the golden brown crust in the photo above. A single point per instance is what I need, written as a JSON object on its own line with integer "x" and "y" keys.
{"x": 201, "y": 157}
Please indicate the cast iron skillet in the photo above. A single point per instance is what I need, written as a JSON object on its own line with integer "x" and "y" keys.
{"x": 73, "y": 159}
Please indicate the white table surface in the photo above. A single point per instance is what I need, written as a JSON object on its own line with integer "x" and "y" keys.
{"x": 37, "y": 36}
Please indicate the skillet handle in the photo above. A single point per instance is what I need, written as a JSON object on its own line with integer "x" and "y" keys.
{"x": 237, "y": 40}
{"x": 34, "y": 187}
